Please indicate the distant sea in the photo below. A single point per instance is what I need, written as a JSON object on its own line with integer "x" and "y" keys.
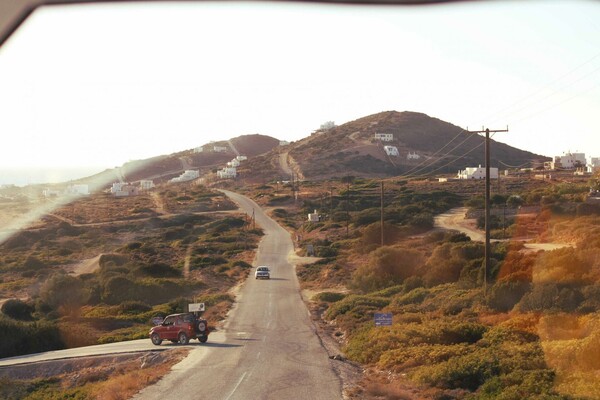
{"x": 32, "y": 176}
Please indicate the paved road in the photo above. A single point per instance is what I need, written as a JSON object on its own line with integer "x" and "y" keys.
{"x": 113, "y": 348}
{"x": 269, "y": 349}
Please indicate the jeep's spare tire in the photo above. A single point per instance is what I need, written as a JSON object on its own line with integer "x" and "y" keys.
{"x": 201, "y": 326}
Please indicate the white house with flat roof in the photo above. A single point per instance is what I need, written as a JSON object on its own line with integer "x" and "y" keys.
{"x": 569, "y": 161}
{"x": 384, "y": 137}
{"x": 233, "y": 163}
{"x": 227, "y": 173}
{"x": 313, "y": 217}
{"x": 391, "y": 150}
{"x": 127, "y": 190}
{"x": 188, "y": 175}
{"x": 146, "y": 184}
{"x": 477, "y": 173}
{"x": 219, "y": 149}
{"x": 80, "y": 189}
{"x": 413, "y": 156}
{"x": 593, "y": 165}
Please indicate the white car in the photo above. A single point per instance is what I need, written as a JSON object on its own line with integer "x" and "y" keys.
{"x": 262, "y": 272}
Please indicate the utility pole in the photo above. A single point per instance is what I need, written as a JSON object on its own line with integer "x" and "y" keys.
{"x": 382, "y": 241}
{"x": 488, "y": 249}
{"x": 348, "y": 207}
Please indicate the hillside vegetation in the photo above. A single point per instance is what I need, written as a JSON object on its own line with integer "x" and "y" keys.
{"x": 531, "y": 333}
{"x": 351, "y": 148}
{"x": 146, "y": 265}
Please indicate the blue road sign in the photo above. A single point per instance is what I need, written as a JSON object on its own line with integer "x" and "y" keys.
{"x": 383, "y": 319}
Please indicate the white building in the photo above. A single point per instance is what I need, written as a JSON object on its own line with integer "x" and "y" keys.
{"x": 477, "y": 173}
{"x": 51, "y": 193}
{"x": 188, "y": 175}
{"x": 81, "y": 190}
{"x": 127, "y": 190}
{"x": 284, "y": 143}
{"x": 227, "y": 173}
{"x": 233, "y": 163}
{"x": 391, "y": 150}
{"x": 146, "y": 184}
{"x": 413, "y": 156}
{"x": 313, "y": 217}
{"x": 219, "y": 149}
{"x": 569, "y": 161}
{"x": 593, "y": 165}
{"x": 117, "y": 186}
{"x": 384, "y": 137}
{"x": 199, "y": 149}
{"x": 241, "y": 158}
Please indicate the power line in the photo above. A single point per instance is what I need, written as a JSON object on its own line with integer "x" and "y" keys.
{"x": 541, "y": 90}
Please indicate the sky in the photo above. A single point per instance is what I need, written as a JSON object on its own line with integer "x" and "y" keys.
{"x": 93, "y": 86}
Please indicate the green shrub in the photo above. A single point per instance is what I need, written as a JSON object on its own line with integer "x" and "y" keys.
{"x": 17, "y": 309}
{"x": 159, "y": 270}
{"x": 415, "y": 296}
{"x": 504, "y": 295}
{"x": 388, "y": 266}
{"x": 133, "y": 307}
{"x": 354, "y": 301}
{"x": 17, "y": 338}
{"x": 468, "y": 371}
{"x": 64, "y": 292}
{"x": 329, "y": 297}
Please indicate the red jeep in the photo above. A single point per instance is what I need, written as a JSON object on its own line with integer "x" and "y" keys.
{"x": 180, "y": 328}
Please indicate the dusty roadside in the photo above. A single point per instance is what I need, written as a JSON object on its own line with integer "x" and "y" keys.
{"x": 115, "y": 377}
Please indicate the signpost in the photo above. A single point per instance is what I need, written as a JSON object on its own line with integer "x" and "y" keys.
{"x": 383, "y": 319}
{"x": 196, "y": 307}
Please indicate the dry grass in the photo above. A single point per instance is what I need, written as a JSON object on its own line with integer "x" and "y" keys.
{"x": 135, "y": 376}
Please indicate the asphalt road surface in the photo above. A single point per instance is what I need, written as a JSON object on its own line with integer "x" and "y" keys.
{"x": 268, "y": 348}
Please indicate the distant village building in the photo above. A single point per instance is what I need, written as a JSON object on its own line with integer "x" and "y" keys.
{"x": 568, "y": 161}
{"x": 219, "y": 149}
{"x": 593, "y": 165}
{"x": 146, "y": 184}
{"x": 241, "y": 158}
{"x": 126, "y": 190}
{"x": 199, "y": 149}
{"x": 117, "y": 186}
{"x": 284, "y": 143}
{"x": 313, "y": 217}
{"x": 80, "y": 190}
{"x": 51, "y": 193}
{"x": 413, "y": 156}
{"x": 384, "y": 137}
{"x": 227, "y": 173}
{"x": 391, "y": 150}
{"x": 188, "y": 175}
{"x": 477, "y": 173}
{"x": 233, "y": 163}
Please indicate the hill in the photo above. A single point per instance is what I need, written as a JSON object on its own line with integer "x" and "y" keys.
{"x": 164, "y": 167}
{"x": 352, "y": 149}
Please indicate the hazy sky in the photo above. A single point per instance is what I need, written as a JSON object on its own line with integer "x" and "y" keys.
{"x": 98, "y": 85}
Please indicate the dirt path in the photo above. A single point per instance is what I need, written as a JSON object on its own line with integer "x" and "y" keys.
{"x": 455, "y": 220}
{"x": 86, "y": 266}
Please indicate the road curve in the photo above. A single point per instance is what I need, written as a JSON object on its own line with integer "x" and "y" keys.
{"x": 269, "y": 348}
